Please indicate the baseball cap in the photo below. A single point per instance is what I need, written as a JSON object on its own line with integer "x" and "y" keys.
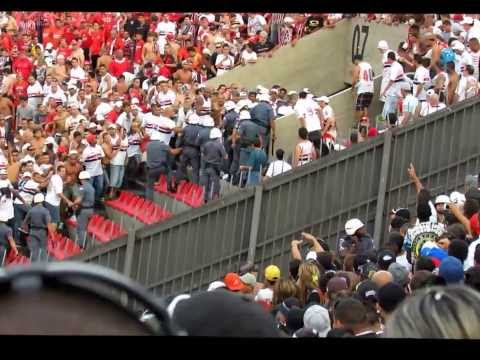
{"x": 390, "y": 296}
{"x": 272, "y": 273}
{"x": 382, "y": 45}
{"x": 451, "y": 269}
{"x": 457, "y": 45}
{"x": 263, "y": 97}
{"x": 91, "y": 138}
{"x": 38, "y": 198}
{"x": 352, "y": 226}
{"x": 118, "y": 104}
{"x": 249, "y": 279}
{"x": 316, "y": 317}
{"x": 232, "y": 282}
{"x": 204, "y": 314}
{"x": 399, "y": 273}
{"x": 216, "y": 285}
{"x": 385, "y": 257}
{"x": 84, "y": 175}
{"x": 337, "y": 284}
{"x": 467, "y": 20}
{"x": 457, "y": 198}
{"x": 73, "y": 152}
{"x": 367, "y": 291}
{"x": 442, "y": 199}
{"x": 92, "y": 125}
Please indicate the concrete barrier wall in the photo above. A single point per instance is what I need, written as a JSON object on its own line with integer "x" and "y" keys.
{"x": 367, "y": 35}
{"x": 316, "y": 62}
{"x": 343, "y": 106}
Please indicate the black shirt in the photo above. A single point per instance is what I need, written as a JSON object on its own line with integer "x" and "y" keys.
{"x": 130, "y": 26}
{"x": 260, "y": 48}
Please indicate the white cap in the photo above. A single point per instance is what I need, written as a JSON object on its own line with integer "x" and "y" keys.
{"x": 207, "y": 120}
{"x": 161, "y": 79}
{"x": 216, "y": 285}
{"x": 307, "y": 90}
{"x": 352, "y": 226}
{"x": 38, "y": 198}
{"x": 49, "y": 140}
{"x": 292, "y": 92}
{"x": 112, "y": 126}
{"x": 316, "y": 317}
{"x": 442, "y": 199}
{"x": 288, "y": 19}
{"x": 118, "y": 104}
{"x": 325, "y": 99}
{"x": 244, "y": 115}
{"x": 467, "y": 20}
{"x": 312, "y": 255}
{"x": 457, "y": 198}
{"x": 457, "y": 45}
{"x": 84, "y": 175}
{"x": 229, "y": 105}
{"x": 27, "y": 174}
{"x": 382, "y": 45}
{"x": 73, "y": 152}
{"x": 263, "y": 97}
{"x": 206, "y": 51}
{"x": 215, "y": 133}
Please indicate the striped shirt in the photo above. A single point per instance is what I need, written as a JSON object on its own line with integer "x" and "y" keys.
{"x": 285, "y": 35}
{"x": 277, "y": 18}
{"x": 92, "y": 159}
{"x": 27, "y": 27}
{"x": 28, "y": 189}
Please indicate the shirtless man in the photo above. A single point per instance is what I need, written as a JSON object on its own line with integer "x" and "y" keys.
{"x": 149, "y": 51}
{"x": 185, "y": 73}
{"x": 6, "y": 111}
{"x": 453, "y": 79}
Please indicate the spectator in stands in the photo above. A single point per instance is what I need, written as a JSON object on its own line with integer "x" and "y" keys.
{"x": 272, "y": 275}
{"x": 278, "y": 166}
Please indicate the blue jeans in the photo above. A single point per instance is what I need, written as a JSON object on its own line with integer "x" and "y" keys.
{"x": 116, "y": 176}
{"x": 20, "y": 212}
{"x": 54, "y": 212}
{"x": 254, "y": 178}
{"x": 97, "y": 183}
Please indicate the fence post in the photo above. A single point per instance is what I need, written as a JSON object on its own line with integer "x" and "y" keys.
{"x": 257, "y": 207}
{"x": 382, "y": 188}
{"x": 127, "y": 267}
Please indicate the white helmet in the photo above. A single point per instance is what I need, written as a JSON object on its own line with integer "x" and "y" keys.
{"x": 352, "y": 226}
{"x": 215, "y": 133}
{"x": 382, "y": 45}
{"x": 244, "y": 115}
{"x": 38, "y": 198}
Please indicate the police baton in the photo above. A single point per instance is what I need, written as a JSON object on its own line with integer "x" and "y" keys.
{"x": 273, "y": 145}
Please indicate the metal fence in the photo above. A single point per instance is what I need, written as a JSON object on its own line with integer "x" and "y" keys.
{"x": 198, "y": 246}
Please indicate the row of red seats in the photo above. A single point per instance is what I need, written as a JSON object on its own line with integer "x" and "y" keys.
{"x": 16, "y": 259}
{"x": 61, "y": 247}
{"x": 140, "y": 208}
{"x": 104, "y": 230}
{"x": 187, "y": 192}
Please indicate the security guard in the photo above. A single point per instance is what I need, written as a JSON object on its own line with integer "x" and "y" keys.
{"x": 244, "y": 135}
{"x": 37, "y": 220}
{"x": 191, "y": 152}
{"x": 213, "y": 154}
{"x": 159, "y": 161}
{"x": 262, "y": 115}
{"x": 84, "y": 202}
{"x": 230, "y": 119}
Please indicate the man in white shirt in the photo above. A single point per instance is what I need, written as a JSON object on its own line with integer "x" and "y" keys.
{"x": 410, "y": 106}
{"x": 383, "y": 48}
{"x": 55, "y": 93}
{"x": 34, "y": 92}
{"x": 164, "y": 28}
{"x": 77, "y": 73}
{"x": 119, "y": 141}
{"x": 474, "y": 49}
{"x": 278, "y": 166}
{"x": 462, "y": 57}
{"x": 397, "y": 77}
{"x": 155, "y": 123}
{"x": 307, "y": 112}
{"x": 468, "y": 84}
{"x": 72, "y": 122}
{"x": 432, "y": 104}
{"x": 248, "y": 55}
{"x": 362, "y": 82}
{"x": 55, "y": 195}
{"x": 92, "y": 159}
{"x": 27, "y": 189}
{"x": 421, "y": 77}
{"x": 224, "y": 61}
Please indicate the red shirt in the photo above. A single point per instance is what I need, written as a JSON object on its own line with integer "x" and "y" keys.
{"x": 137, "y": 58}
{"x": 86, "y": 39}
{"x": 19, "y": 89}
{"x": 6, "y": 42}
{"x": 54, "y": 36}
{"x": 24, "y": 66}
{"x": 68, "y": 35}
{"x": 117, "y": 68}
{"x": 65, "y": 51}
{"x": 97, "y": 42}
{"x": 111, "y": 117}
{"x": 182, "y": 53}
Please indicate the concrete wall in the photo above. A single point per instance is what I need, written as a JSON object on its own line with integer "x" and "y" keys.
{"x": 316, "y": 62}
{"x": 372, "y": 33}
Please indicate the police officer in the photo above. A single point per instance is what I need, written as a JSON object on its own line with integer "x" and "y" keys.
{"x": 230, "y": 119}
{"x": 37, "y": 220}
{"x": 262, "y": 114}
{"x": 84, "y": 202}
{"x": 159, "y": 161}
{"x": 244, "y": 135}
{"x": 191, "y": 152}
{"x": 213, "y": 155}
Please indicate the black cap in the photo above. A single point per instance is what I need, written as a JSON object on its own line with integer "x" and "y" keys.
{"x": 367, "y": 291}
{"x": 385, "y": 258}
{"x": 204, "y": 314}
{"x": 295, "y": 320}
{"x": 389, "y": 296}
{"x": 403, "y": 213}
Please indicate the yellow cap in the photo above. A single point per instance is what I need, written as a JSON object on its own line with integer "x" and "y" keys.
{"x": 272, "y": 273}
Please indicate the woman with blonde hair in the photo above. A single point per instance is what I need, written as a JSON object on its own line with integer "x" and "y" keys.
{"x": 308, "y": 277}
{"x": 284, "y": 289}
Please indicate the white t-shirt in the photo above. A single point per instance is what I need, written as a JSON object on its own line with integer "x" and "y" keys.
{"x": 249, "y": 56}
{"x": 59, "y": 95}
{"x": 461, "y": 61}
{"x": 476, "y": 62}
{"x": 467, "y": 87}
{"x": 365, "y": 79}
{"x": 226, "y": 61}
{"x": 264, "y": 295}
{"x": 103, "y": 109}
{"x": 422, "y": 77}
{"x": 306, "y": 109}
{"x": 92, "y": 159}
{"x": 158, "y": 127}
{"x": 27, "y": 192}
{"x": 125, "y": 121}
{"x": 277, "y": 167}
{"x": 55, "y": 186}
{"x": 327, "y": 112}
{"x": 165, "y": 99}
{"x": 121, "y": 156}
{"x": 134, "y": 141}
{"x": 165, "y": 28}
{"x": 35, "y": 94}
{"x": 256, "y": 23}
{"x": 71, "y": 123}
{"x": 428, "y": 109}
{"x": 396, "y": 71}
{"x": 77, "y": 74}
{"x": 6, "y": 203}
